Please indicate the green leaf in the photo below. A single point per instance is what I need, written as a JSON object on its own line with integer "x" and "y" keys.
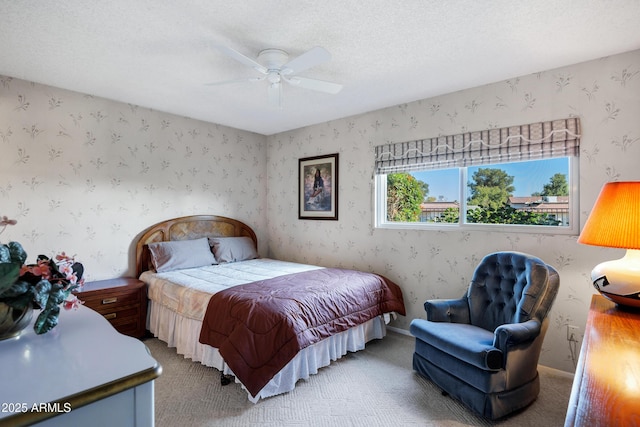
{"x": 47, "y": 320}
{"x": 9, "y": 273}
{"x": 20, "y": 301}
{"x": 18, "y": 288}
{"x": 48, "y": 296}
{"x": 41, "y": 293}
{"x": 17, "y": 253}
{"x": 5, "y": 254}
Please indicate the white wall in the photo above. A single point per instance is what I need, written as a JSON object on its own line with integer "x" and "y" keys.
{"x": 86, "y": 175}
{"x": 432, "y": 264}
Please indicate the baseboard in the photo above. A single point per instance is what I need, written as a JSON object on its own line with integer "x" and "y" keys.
{"x": 399, "y": 331}
{"x": 558, "y": 372}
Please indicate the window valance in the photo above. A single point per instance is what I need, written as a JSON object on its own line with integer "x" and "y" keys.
{"x": 557, "y": 138}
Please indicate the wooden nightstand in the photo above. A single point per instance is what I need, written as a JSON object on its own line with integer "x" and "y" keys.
{"x": 122, "y": 301}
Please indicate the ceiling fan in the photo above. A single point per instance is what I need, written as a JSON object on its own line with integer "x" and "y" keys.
{"x": 276, "y": 67}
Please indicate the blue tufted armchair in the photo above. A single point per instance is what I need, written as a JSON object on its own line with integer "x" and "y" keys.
{"x": 483, "y": 348}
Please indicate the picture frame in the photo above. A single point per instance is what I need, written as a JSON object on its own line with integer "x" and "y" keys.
{"x": 318, "y": 187}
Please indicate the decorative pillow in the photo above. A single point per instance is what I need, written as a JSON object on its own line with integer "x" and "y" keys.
{"x": 177, "y": 254}
{"x": 232, "y": 249}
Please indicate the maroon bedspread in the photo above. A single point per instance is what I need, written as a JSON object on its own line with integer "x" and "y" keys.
{"x": 259, "y": 327}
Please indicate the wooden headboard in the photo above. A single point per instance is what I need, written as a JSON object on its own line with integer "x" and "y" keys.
{"x": 185, "y": 228}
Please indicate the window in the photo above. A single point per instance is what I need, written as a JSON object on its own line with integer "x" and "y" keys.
{"x": 522, "y": 178}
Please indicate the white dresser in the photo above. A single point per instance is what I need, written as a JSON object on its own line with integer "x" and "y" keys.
{"x": 83, "y": 372}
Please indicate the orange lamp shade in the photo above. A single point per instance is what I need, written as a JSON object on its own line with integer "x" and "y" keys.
{"x": 615, "y": 218}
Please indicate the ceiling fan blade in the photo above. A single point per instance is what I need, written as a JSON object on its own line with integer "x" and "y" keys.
{"x": 242, "y": 58}
{"x": 245, "y": 80}
{"x": 274, "y": 94}
{"x": 313, "y": 84}
{"x": 310, "y": 58}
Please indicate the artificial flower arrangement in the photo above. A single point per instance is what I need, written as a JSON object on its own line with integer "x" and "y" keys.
{"x": 44, "y": 285}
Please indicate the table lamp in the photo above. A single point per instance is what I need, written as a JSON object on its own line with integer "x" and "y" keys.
{"x": 615, "y": 222}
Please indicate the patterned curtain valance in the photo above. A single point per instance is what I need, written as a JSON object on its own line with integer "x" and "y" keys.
{"x": 558, "y": 138}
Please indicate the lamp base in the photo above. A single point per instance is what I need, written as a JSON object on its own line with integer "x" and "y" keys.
{"x": 627, "y": 301}
{"x": 619, "y": 280}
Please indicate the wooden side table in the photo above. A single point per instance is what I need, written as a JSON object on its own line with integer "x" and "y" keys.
{"x": 606, "y": 386}
{"x": 122, "y": 301}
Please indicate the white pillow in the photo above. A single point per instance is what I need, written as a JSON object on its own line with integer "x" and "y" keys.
{"x": 177, "y": 254}
{"x": 232, "y": 249}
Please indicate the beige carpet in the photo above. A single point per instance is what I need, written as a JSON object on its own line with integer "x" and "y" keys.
{"x": 373, "y": 387}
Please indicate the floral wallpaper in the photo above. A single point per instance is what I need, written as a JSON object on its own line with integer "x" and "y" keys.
{"x": 85, "y": 175}
{"x": 439, "y": 264}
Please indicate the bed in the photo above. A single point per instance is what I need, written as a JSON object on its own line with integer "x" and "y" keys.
{"x": 210, "y": 310}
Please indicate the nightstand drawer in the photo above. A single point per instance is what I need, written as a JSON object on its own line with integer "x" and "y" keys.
{"x": 123, "y": 302}
{"x": 109, "y": 300}
{"x": 116, "y": 314}
{"x": 129, "y": 325}
{"x": 124, "y": 320}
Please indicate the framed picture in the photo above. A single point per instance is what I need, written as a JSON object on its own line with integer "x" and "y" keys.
{"x": 318, "y": 187}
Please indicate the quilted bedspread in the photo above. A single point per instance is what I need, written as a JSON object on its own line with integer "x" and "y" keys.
{"x": 187, "y": 291}
{"x": 260, "y": 326}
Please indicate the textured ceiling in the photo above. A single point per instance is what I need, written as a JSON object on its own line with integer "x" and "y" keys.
{"x": 159, "y": 54}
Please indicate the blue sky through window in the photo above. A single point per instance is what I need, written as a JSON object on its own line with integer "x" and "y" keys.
{"x": 529, "y": 177}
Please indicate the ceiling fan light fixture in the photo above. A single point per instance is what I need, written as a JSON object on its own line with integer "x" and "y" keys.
{"x": 274, "y": 77}
{"x": 275, "y": 66}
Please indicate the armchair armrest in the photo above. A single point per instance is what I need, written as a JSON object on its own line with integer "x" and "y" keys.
{"x": 448, "y": 310}
{"x": 513, "y": 334}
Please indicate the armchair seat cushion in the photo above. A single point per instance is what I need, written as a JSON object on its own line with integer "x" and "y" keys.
{"x": 468, "y": 343}
{"x": 432, "y": 361}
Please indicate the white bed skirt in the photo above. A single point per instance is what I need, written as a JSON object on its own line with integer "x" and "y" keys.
{"x": 183, "y": 334}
